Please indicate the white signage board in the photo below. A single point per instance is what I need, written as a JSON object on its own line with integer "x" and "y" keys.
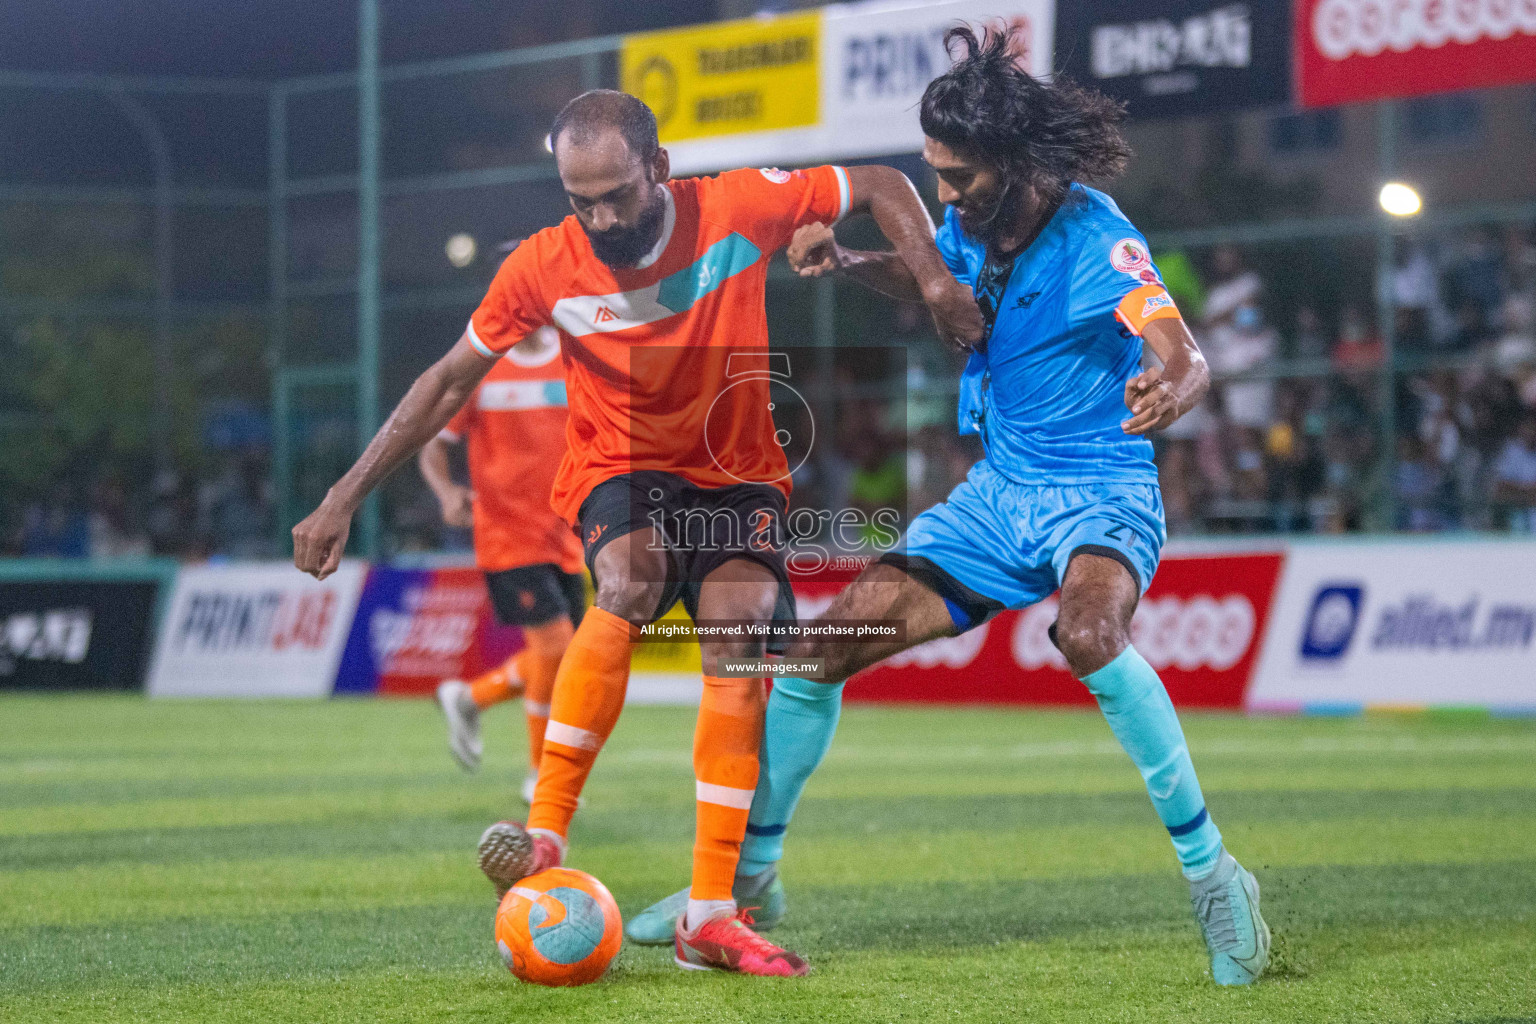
{"x": 1402, "y": 623}
{"x": 254, "y": 629}
{"x": 876, "y": 59}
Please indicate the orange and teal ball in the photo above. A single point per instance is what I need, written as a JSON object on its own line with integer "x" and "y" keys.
{"x": 558, "y": 927}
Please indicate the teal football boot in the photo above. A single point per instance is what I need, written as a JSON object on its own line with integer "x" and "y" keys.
{"x": 762, "y": 895}
{"x": 1227, "y": 906}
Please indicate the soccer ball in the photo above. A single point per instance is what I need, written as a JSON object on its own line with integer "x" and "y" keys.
{"x": 558, "y": 927}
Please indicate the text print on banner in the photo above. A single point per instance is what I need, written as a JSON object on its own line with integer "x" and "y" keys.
{"x": 1201, "y": 626}
{"x": 878, "y": 58}
{"x": 254, "y": 629}
{"x": 737, "y": 76}
{"x": 1351, "y": 51}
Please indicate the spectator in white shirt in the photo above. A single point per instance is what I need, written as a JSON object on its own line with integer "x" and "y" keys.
{"x": 1514, "y": 477}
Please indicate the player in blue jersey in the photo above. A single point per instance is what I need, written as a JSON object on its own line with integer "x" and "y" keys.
{"x": 1066, "y": 497}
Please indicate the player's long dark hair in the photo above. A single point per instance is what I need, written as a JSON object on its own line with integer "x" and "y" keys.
{"x": 1046, "y": 135}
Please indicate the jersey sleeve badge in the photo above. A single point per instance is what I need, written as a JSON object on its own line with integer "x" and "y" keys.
{"x": 774, "y": 175}
{"x": 1130, "y": 256}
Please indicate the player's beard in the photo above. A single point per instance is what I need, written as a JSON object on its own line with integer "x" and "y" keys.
{"x": 988, "y": 225}
{"x": 621, "y": 248}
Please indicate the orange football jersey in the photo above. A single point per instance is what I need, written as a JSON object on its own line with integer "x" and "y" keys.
{"x": 648, "y": 350}
{"x": 514, "y": 424}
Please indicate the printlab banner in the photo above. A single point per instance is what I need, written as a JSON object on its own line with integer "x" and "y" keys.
{"x": 878, "y": 58}
{"x": 1179, "y": 57}
{"x": 76, "y": 634}
{"x": 254, "y": 629}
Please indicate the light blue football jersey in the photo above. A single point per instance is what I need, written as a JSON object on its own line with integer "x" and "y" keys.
{"x": 1047, "y": 391}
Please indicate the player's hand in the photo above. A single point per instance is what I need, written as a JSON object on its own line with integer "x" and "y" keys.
{"x": 955, "y": 313}
{"x": 318, "y": 542}
{"x": 1151, "y": 401}
{"x": 457, "y": 503}
{"x": 813, "y": 251}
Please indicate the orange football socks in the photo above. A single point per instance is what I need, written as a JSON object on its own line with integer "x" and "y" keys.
{"x": 536, "y": 665}
{"x": 499, "y": 684}
{"x": 725, "y": 747}
{"x": 589, "y": 694}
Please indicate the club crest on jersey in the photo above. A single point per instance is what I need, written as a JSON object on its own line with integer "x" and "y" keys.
{"x": 774, "y": 175}
{"x": 1130, "y": 256}
{"x": 1154, "y": 303}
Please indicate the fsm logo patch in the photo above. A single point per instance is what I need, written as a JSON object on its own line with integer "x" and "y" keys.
{"x": 1332, "y": 621}
{"x": 1155, "y": 303}
{"x": 1130, "y": 256}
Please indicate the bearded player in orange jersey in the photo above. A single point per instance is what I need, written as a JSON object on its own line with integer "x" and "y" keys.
{"x": 654, "y": 284}
{"x": 514, "y": 427}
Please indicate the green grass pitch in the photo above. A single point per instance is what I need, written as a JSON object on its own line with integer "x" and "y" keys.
{"x": 274, "y": 861}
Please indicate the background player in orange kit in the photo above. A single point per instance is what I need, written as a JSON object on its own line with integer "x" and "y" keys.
{"x": 514, "y": 425}
{"x": 655, "y": 284}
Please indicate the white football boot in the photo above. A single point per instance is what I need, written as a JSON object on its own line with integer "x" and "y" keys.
{"x": 463, "y": 722}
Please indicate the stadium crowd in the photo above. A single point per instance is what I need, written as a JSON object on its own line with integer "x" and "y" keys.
{"x": 1289, "y": 439}
{"x": 227, "y": 512}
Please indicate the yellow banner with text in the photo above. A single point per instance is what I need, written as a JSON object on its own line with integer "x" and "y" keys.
{"x": 724, "y": 79}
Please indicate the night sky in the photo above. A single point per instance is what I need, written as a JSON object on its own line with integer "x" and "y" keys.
{"x": 277, "y": 38}
{"x": 79, "y": 138}
{"x": 74, "y": 138}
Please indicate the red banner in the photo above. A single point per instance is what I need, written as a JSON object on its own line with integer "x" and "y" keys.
{"x": 1200, "y": 625}
{"x": 1354, "y": 51}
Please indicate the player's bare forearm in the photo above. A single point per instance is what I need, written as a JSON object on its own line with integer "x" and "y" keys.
{"x": 426, "y": 408}
{"x": 318, "y": 541}
{"x": 884, "y": 272}
{"x": 1158, "y": 396}
{"x": 1187, "y": 372}
{"x": 814, "y": 252}
{"x": 887, "y": 195}
{"x": 891, "y": 199}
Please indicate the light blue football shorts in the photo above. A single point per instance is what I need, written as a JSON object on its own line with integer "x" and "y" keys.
{"x": 996, "y": 543}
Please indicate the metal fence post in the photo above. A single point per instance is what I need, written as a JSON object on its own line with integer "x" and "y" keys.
{"x": 277, "y": 308}
{"x": 165, "y": 270}
{"x": 1386, "y": 316}
{"x": 368, "y": 255}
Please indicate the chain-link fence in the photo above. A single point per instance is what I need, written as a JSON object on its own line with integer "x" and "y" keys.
{"x": 196, "y": 352}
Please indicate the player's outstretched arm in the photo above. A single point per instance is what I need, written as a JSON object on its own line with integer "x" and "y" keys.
{"x": 1160, "y": 395}
{"x": 320, "y": 539}
{"x": 455, "y": 500}
{"x": 915, "y": 271}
